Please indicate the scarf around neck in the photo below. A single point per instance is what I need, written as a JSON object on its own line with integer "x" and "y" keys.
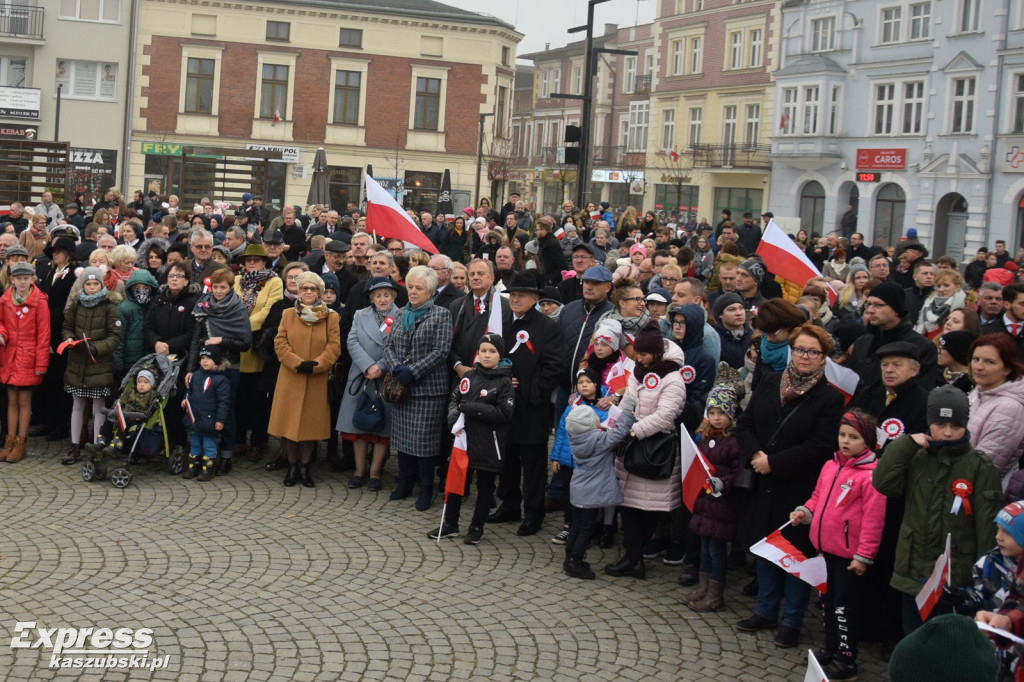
{"x": 794, "y": 384}
{"x": 411, "y": 314}
{"x": 92, "y": 300}
{"x": 252, "y": 284}
{"x": 775, "y": 355}
{"x": 311, "y": 314}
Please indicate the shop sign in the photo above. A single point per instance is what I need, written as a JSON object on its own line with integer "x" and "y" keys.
{"x": 288, "y": 154}
{"x": 600, "y": 175}
{"x": 881, "y": 159}
{"x": 19, "y": 102}
{"x": 11, "y": 131}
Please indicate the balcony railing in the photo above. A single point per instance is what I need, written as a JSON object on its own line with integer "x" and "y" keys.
{"x": 609, "y": 155}
{"x": 21, "y": 22}
{"x": 731, "y": 155}
{"x": 642, "y": 85}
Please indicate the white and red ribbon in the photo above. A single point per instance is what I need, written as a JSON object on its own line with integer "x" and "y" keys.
{"x": 522, "y": 339}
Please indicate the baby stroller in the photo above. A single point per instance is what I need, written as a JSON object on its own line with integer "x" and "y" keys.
{"x": 166, "y": 372}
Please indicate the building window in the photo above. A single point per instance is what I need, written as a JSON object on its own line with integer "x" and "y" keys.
{"x": 639, "y": 113}
{"x": 87, "y": 10}
{"x": 695, "y": 55}
{"x": 556, "y": 77}
{"x": 279, "y": 31}
{"x": 555, "y": 142}
{"x": 630, "y": 74}
{"x": 913, "y": 108}
{"x": 885, "y": 105}
{"x": 543, "y": 83}
{"x": 696, "y": 125}
{"x": 755, "y": 48}
{"x": 1018, "y": 104}
{"x": 350, "y": 37}
{"x": 833, "y": 110}
{"x": 199, "y": 86}
{"x": 428, "y": 103}
{"x": 970, "y": 11}
{"x": 677, "y": 57}
{"x": 890, "y": 24}
{"x": 346, "y": 97}
{"x": 812, "y": 105}
{"x": 729, "y": 131}
{"x": 577, "y": 80}
{"x": 823, "y": 34}
{"x": 921, "y": 21}
{"x": 87, "y": 80}
{"x": 506, "y": 55}
{"x": 964, "y": 96}
{"x": 787, "y": 123}
{"x": 668, "y": 128}
{"x": 538, "y": 138}
{"x": 274, "y": 92}
{"x": 736, "y": 50}
{"x": 753, "y": 124}
{"x": 12, "y": 71}
{"x": 501, "y": 112}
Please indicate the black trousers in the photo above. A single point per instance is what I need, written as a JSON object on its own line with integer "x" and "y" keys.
{"x": 841, "y": 610}
{"x": 484, "y": 499}
{"x": 525, "y": 465}
{"x": 581, "y": 530}
{"x": 253, "y": 410}
{"x": 637, "y": 528}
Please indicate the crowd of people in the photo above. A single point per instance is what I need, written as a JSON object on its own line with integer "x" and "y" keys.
{"x": 565, "y": 354}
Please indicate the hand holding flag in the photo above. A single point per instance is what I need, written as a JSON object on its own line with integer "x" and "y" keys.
{"x": 781, "y": 552}
{"x": 929, "y": 595}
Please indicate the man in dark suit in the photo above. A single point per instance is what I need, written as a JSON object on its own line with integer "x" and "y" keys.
{"x": 1012, "y": 320}
{"x": 537, "y": 350}
{"x": 471, "y": 313}
{"x": 446, "y": 292}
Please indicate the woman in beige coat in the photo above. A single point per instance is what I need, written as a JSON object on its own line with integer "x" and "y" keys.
{"x": 308, "y": 342}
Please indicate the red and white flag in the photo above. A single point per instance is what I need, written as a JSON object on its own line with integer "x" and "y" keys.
{"x": 671, "y": 154}
{"x": 277, "y": 116}
{"x": 814, "y": 671}
{"x": 618, "y": 375}
{"x": 121, "y": 421}
{"x": 929, "y": 595}
{"x": 784, "y": 258}
{"x": 189, "y": 412}
{"x": 386, "y": 218}
{"x": 781, "y": 552}
{"x": 560, "y": 232}
{"x": 843, "y": 378}
{"x": 696, "y": 470}
{"x": 459, "y": 463}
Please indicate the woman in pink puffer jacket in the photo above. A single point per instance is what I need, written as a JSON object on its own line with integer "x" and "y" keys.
{"x": 661, "y": 393}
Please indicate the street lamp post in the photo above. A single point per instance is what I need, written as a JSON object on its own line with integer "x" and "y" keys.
{"x": 480, "y": 155}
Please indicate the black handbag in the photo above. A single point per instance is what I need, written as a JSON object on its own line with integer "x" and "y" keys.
{"x": 653, "y": 457}
{"x": 369, "y": 414}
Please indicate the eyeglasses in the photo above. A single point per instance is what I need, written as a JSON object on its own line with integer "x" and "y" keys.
{"x": 872, "y": 304}
{"x": 175, "y": 275}
{"x": 310, "y": 288}
{"x": 636, "y": 299}
{"x": 674, "y": 280}
{"x": 202, "y": 247}
{"x": 678, "y": 323}
{"x": 807, "y": 353}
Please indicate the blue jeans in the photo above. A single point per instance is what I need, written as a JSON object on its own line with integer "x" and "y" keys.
{"x": 712, "y": 557}
{"x": 204, "y": 444}
{"x": 775, "y": 586}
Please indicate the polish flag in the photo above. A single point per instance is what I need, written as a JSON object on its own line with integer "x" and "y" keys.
{"x": 121, "y": 421}
{"x": 277, "y": 116}
{"x": 843, "y": 378}
{"x": 458, "y": 465}
{"x": 781, "y": 552}
{"x": 784, "y": 258}
{"x": 559, "y": 232}
{"x": 928, "y": 597}
{"x": 671, "y": 154}
{"x": 696, "y": 471}
{"x": 783, "y": 121}
{"x": 814, "y": 671}
{"x": 386, "y": 218}
{"x": 618, "y": 375}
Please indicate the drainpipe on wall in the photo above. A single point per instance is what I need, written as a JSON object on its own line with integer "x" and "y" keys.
{"x": 129, "y": 102}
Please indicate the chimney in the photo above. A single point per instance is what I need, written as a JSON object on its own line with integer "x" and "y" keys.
{"x": 611, "y": 29}
{"x": 547, "y": 46}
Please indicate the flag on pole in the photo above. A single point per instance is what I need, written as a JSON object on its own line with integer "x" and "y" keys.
{"x": 277, "y": 116}
{"x": 928, "y": 597}
{"x": 784, "y": 258}
{"x": 671, "y": 154}
{"x": 459, "y": 463}
{"x": 560, "y": 232}
{"x": 843, "y": 378}
{"x": 781, "y": 552}
{"x": 814, "y": 671}
{"x": 121, "y": 421}
{"x": 696, "y": 470}
{"x": 387, "y": 219}
{"x": 783, "y": 121}
{"x": 618, "y": 375}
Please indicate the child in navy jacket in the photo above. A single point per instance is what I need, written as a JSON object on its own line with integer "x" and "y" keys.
{"x": 207, "y": 404}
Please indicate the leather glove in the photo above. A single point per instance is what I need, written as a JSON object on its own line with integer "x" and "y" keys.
{"x": 404, "y": 375}
{"x": 951, "y": 596}
{"x": 628, "y": 402}
{"x": 716, "y": 485}
{"x": 306, "y": 367}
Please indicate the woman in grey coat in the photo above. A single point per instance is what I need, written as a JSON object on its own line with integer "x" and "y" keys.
{"x": 370, "y": 329}
{"x": 415, "y": 352}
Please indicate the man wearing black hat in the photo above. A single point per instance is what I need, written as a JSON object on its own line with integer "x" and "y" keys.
{"x": 572, "y": 289}
{"x": 72, "y": 214}
{"x": 1012, "y": 320}
{"x": 273, "y": 242}
{"x": 884, "y": 315}
{"x": 536, "y": 348}
{"x": 904, "y": 273}
{"x": 748, "y": 233}
{"x": 748, "y": 285}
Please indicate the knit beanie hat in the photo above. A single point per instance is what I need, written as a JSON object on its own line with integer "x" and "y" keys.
{"x": 948, "y": 404}
{"x": 591, "y": 374}
{"x": 724, "y": 301}
{"x": 858, "y": 267}
{"x": 609, "y": 332}
{"x": 723, "y": 397}
{"x": 860, "y": 423}
{"x": 580, "y": 420}
{"x": 958, "y": 344}
{"x": 147, "y": 375}
{"x": 496, "y": 341}
{"x": 215, "y": 353}
{"x": 892, "y": 294}
{"x": 1009, "y": 519}
{"x": 947, "y": 648}
{"x": 649, "y": 339}
{"x": 754, "y": 268}
{"x": 92, "y": 273}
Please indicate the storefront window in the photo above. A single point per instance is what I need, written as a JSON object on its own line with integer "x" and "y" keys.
{"x": 422, "y": 190}
{"x": 737, "y": 199}
{"x": 344, "y": 184}
{"x": 676, "y": 201}
{"x": 163, "y": 174}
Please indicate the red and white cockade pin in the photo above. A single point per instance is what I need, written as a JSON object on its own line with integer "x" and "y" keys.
{"x": 962, "y": 490}
{"x": 893, "y": 428}
{"x": 522, "y": 339}
{"x": 651, "y": 381}
{"x": 689, "y": 373}
{"x": 464, "y": 386}
{"x": 386, "y": 327}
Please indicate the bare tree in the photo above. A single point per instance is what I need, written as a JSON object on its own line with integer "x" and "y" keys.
{"x": 677, "y": 168}
{"x": 501, "y": 161}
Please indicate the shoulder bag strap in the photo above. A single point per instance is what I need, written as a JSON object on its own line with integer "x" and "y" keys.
{"x": 783, "y": 423}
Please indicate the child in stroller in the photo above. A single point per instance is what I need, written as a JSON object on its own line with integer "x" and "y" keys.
{"x": 132, "y": 409}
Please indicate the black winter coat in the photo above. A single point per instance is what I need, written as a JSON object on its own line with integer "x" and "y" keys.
{"x": 537, "y": 371}
{"x": 552, "y": 260}
{"x": 717, "y": 517}
{"x": 57, "y": 297}
{"x": 908, "y": 407}
{"x": 868, "y": 367}
{"x": 796, "y": 455}
{"x": 486, "y": 398}
{"x": 169, "y": 319}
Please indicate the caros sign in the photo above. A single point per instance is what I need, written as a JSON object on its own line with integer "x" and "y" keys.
{"x": 881, "y": 159}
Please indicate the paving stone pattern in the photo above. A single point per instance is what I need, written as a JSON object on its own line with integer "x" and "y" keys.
{"x": 244, "y": 579}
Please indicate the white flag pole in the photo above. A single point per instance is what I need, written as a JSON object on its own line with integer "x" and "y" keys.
{"x": 444, "y": 508}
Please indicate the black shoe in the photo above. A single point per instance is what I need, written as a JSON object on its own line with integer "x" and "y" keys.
{"x": 504, "y": 515}
{"x": 755, "y": 623}
{"x": 607, "y": 537}
{"x": 675, "y": 556}
{"x": 655, "y": 548}
{"x": 445, "y": 531}
{"x": 292, "y": 477}
{"x": 840, "y": 671}
{"x": 374, "y": 485}
{"x": 280, "y": 463}
{"x": 750, "y": 589}
{"x": 528, "y": 528}
{"x": 584, "y": 564}
{"x": 307, "y": 480}
{"x": 356, "y": 482}
{"x": 623, "y": 568}
{"x": 192, "y": 464}
{"x": 824, "y": 657}
{"x": 474, "y": 536}
{"x": 58, "y": 433}
{"x": 424, "y": 499}
{"x": 37, "y": 430}
{"x": 787, "y": 638}
{"x": 576, "y": 569}
{"x": 402, "y": 491}
{"x": 224, "y": 467}
{"x": 207, "y": 472}
{"x": 690, "y": 575}
{"x": 72, "y": 456}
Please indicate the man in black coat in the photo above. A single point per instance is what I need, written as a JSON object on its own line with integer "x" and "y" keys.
{"x": 537, "y": 350}
{"x": 572, "y": 289}
{"x": 924, "y": 279}
{"x": 1012, "y": 320}
{"x": 884, "y": 313}
{"x": 904, "y": 411}
{"x": 471, "y": 313}
{"x": 446, "y": 293}
{"x": 551, "y": 257}
{"x": 858, "y": 249}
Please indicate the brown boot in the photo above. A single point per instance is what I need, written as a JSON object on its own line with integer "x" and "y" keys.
{"x": 702, "y": 589}
{"x": 714, "y": 598}
{"x": 17, "y": 451}
{"x": 8, "y": 444}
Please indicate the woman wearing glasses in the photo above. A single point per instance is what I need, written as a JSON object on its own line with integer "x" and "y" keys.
{"x": 630, "y": 311}
{"x": 308, "y": 342}
{"x": 786, "y": 435}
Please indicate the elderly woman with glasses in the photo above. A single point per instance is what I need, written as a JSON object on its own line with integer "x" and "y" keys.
{"x": 308, "y": 342}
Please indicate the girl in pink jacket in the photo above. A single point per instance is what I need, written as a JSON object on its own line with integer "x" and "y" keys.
{"x": 846, "y": 514}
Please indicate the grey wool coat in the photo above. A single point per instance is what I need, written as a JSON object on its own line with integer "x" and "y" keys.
{"x": 366, "y": 347}
{"x": 593, "y": 481}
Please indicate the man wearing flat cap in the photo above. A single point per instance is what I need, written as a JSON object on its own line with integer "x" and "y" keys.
{"x": 572, "y": 289}
{"x": 898, "y": 396}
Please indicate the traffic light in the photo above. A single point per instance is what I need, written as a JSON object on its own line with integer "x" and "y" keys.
{"x": 572, "y": 133}
{"x": 572, "y": 156}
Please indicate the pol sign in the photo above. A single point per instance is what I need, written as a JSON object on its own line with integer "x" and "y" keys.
{"x": 881, "y": 159}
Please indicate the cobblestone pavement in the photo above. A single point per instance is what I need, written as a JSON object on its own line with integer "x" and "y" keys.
{"x": 244, "y": 579}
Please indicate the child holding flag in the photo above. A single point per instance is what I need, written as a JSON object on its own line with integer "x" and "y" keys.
{"x": 715, "y": 519}
{"x": 486, "y": 400}
{"x": 846, "y": 515}
{"x": 206, "y": 404}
